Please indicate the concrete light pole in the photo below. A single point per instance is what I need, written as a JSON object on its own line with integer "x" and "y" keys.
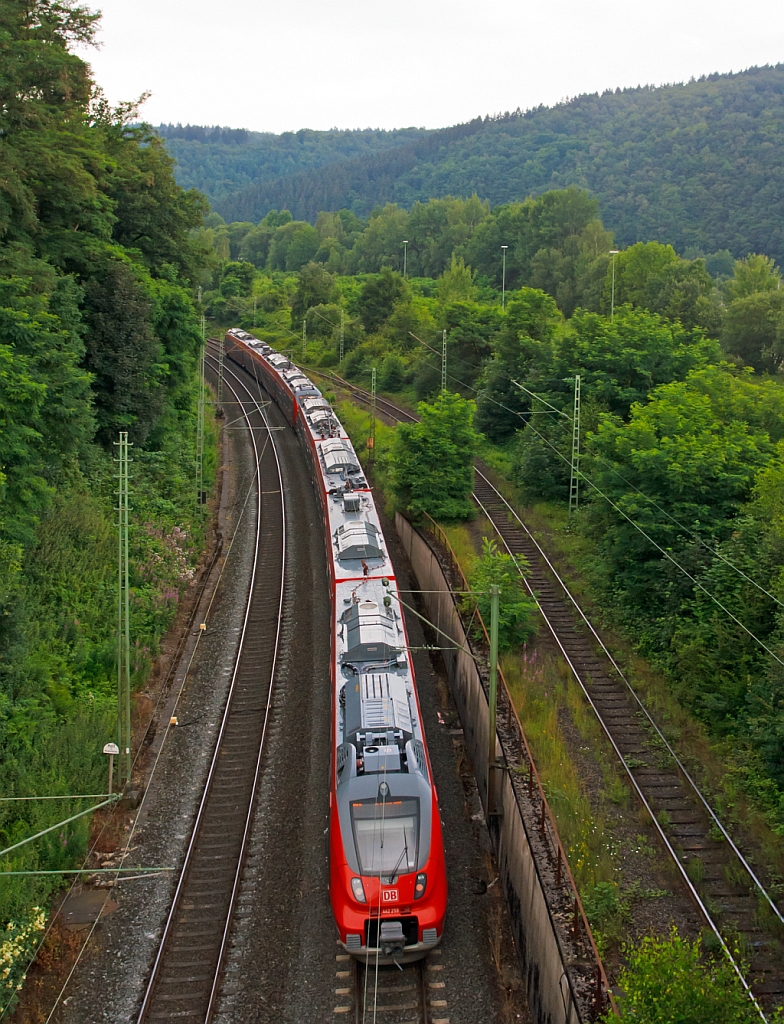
{"x": 503, "y": 278}
{"x": 405, "y": 255}
{"x": 613, "y": 253}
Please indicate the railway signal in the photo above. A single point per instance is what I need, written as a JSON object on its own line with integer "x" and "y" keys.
{"x": 112, "y": 750}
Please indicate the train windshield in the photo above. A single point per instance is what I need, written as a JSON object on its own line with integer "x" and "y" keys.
{"x": 386, "y": 833}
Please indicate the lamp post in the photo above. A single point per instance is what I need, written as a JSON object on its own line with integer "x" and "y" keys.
{"x": 613, "y": 253}
{"x": 503, "y": 277}
{"x": 405, "y": 255}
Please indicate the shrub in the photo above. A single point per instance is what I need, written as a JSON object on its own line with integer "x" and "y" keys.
{"x": 671, "y": 981}
{"x": 517, "y": 611}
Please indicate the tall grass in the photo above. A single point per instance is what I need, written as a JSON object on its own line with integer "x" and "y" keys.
{"x": 539, "y": 687}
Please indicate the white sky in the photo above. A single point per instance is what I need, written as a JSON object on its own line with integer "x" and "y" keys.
{"x": 373, "y": 63}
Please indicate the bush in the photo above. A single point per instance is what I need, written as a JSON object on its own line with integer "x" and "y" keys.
{"x": 671, "y": 981}
{"x": 433, "y": 461}
{"x": 517, "y": 612}
{"x": 392, "y": 374}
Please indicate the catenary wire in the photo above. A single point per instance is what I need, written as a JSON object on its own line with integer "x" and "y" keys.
{"x": 157, "y": 759}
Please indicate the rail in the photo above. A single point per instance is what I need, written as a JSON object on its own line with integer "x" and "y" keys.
{"x": 202, "y": 909}
{"x": 402, "y": 415}
{"x": 557, "y": 852}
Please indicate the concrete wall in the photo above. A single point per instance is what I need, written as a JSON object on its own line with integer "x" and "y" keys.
{"x": 559, "y": 975}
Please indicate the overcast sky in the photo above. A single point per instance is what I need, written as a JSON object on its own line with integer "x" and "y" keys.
{"x": 374, "y": 63}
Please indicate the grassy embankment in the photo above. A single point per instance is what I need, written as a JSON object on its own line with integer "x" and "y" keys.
{"x": 64, "y": 654}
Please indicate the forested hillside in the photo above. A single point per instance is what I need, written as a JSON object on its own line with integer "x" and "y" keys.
{"x": 700, "y": 165}
{"x": 221, "y": 162}
{"x": 98, "y": 334}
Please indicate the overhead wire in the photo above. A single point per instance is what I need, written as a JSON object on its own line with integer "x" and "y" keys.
{"x": 609, "y": 500}
{"x": 682, "y": 526}
{"x": 551, "y": 410}
{"x": 663, "y": 551}
{"x": 158, "y": 756}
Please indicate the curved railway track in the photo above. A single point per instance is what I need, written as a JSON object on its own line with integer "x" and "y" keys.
{"x": 720, "y": 878}
{"x": 186, "y": 972}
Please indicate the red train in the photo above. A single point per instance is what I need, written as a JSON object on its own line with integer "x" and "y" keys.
{"x": 387, "y": 874}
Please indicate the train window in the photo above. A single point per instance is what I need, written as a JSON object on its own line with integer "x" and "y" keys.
{"x": 386, "y": 835}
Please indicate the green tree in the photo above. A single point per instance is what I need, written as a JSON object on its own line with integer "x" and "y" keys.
{"x": 392, "y": 373}
{"x": 523, "y": 351}
{"x": 438, "y": 229}
{"x": 237, "y": 279}
{"x": 634, "y": 268}
{"x": 693, "y": 450}
{"x": 255, "y": 245}
{"x": 323, "y": 321}
{"x": 753, "y": 329}
{"x": 457, "y": 283}
{"x": 378, "y": 297}
{"x": 622, "y": 359}
{"x": 123, "y": 354}
{"x": 672, "y": 981}
{"x": 152, "y": 214}
{"x": 432, "y": 461}
{"x": 685, "y": 291}
{"x": 315, "y": 287}
{"x": 471, "y": 332}
{"x": 293, "y": 245}
{"x": 518, "y": 613}
{"x": 381, "y": 243}
{"x": 555, "y": 243}
{"x": 753, "y": 274}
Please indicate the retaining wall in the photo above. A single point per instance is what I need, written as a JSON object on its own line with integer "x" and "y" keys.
{"x": 563, "y": 976}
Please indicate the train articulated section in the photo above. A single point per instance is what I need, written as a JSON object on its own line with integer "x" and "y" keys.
{"x": 387, "y": 873}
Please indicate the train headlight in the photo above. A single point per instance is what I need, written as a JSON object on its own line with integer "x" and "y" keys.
{"x": 359, "y": 890}
{"x": 420, "y": 885}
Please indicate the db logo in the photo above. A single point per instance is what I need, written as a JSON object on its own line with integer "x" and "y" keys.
{"x": 389, "y": 895}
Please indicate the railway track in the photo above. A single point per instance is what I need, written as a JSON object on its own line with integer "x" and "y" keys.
{"x": 720, "y": 877}
{"x": 186, "y": 972}
{"x": 391, "y": 995}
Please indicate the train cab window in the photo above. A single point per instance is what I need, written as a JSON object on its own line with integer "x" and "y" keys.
{"x": 386, "y": 834}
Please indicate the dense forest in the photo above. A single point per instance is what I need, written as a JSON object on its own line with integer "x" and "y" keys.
{"x": 98, "y": 333}
{"x": 696, "y": 165}
{"x": 221, "y": 162}
{"x": 683, "y": 408}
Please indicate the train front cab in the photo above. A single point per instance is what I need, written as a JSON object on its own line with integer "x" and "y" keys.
{"x": 388, "y": 902}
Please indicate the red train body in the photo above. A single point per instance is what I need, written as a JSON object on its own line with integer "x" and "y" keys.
{"x": 387, "y": 875}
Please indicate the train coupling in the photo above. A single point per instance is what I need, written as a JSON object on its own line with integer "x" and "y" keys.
{"x": 392, "y": 939}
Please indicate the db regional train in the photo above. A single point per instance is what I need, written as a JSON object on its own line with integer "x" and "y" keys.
{"x": 387, "y": 877}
